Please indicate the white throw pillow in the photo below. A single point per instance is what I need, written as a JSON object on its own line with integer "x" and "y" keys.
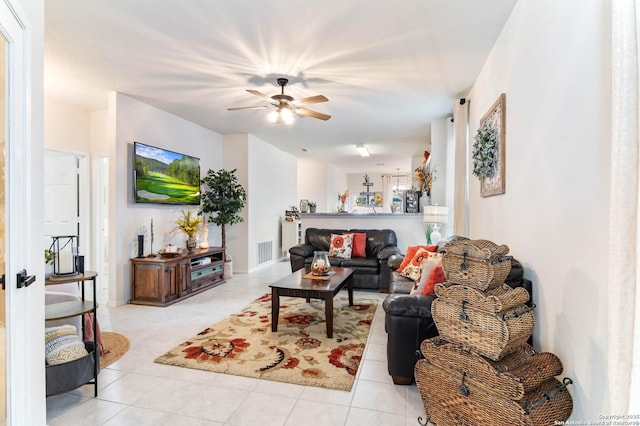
{"x": 428, "y": 265}
{"x": 341, "y": 245}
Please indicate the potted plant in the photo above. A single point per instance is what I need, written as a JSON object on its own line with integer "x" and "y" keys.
{"x": 49, "y": 256}
{"x": 222, "y": 199}
{"x": 312, "y": 206}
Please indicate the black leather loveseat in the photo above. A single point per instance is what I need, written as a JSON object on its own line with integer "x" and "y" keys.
{"x": 408, "y": 321}
{"x": 371, "y": 272}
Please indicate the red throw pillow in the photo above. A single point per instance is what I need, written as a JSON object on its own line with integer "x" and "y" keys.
{"x": 436, "y": 277}
{"x": 359, "y": 244}
{"x": 410, "y": 254}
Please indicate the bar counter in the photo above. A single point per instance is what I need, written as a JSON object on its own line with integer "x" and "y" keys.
{"x": 408, "y": 226}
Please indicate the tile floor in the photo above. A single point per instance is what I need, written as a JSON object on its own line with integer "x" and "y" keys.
{"x": 135, "y": 391}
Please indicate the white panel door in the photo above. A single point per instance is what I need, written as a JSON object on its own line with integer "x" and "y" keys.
{"x": 24, "y": 304}
{"x": 60, "y": 194}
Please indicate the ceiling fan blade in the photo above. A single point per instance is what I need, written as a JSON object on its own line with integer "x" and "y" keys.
{"x": 311, "y": 100}
{"x": 251, "y": 107}
{"x": 314, "y": 114}
{"x": 262, "y": 95}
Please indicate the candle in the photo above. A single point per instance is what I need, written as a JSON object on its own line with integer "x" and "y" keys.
{"x": 65, "y": 262}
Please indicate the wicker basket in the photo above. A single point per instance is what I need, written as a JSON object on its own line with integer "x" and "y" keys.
{"x": 477, "y": 263}
{"x": 479, "y": 249}
{"x": 473, "y": 390}
{"x": 494, "y": 323}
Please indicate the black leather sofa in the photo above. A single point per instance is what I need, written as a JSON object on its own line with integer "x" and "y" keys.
{"x": 408, "y": 321}
{"x": 371, "y": 272}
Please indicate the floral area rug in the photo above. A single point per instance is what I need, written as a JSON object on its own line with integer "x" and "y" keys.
{"x": 299, "y": 352}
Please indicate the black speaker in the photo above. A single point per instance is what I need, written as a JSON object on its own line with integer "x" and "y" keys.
{"x": 80, "y": 264}
{"x": 140, "y": 245}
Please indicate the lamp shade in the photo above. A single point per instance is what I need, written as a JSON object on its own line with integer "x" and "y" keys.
{"x": 436, "y": 214}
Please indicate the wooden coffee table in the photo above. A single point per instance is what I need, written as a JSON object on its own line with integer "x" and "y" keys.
{"x": 295, "y": 285}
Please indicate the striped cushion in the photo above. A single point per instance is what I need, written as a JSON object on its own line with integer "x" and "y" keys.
{"x": 62, "y": 344}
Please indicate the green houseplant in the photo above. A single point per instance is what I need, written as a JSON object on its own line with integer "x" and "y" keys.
{"x": 222, "y": 199}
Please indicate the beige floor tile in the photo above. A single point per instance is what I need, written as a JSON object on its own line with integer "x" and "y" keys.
{"x": 310, "y": 413}
{"x": 263, "y": 409}
{"x": 135, "y": 390}
{"x": 362, "y": 417}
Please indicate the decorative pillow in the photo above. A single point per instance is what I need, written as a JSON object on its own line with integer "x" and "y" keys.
{"x": 411, "y": 252}
{"x": 341, "y": 245}
{"x": 414, "y": 269}
{"x": 435, "y": 277}
{"x": 62, "y": 344}
{"x": 359, "y": 248}
{"x": 427, "y": 266}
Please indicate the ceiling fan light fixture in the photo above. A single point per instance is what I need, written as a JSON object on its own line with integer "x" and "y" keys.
{"x": 286, "y": 108}
{"x": 281, "y": 115}
{"x": 362, "y": 150}
{"x": 287, "y": 115}
{"x": 273, "y": 116}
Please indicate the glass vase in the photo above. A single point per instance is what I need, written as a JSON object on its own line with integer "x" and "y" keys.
{"x": 320, "y": 264}
{"x": 425, "y": 200}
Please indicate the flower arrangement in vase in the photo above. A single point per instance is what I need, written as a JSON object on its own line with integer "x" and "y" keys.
{"x": 189, "y": 223}
{"x": 343, "y": 201}
{"x": 426, "y": 176}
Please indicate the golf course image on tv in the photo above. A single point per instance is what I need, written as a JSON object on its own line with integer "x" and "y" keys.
{"x": 165, "y": 177}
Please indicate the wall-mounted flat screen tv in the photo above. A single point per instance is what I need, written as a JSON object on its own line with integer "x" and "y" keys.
{"x": 165, "y": 177}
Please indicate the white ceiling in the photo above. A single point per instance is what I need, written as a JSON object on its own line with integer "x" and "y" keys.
{"x": 387, "y": 67}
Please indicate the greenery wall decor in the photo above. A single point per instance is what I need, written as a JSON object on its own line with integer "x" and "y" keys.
{"x": 485, "y": 149}
{"x": 489, "y": 149}
{"x": 223, "y": 198}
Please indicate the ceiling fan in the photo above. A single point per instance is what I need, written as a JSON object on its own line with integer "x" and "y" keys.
{"x": 285, "y": 106}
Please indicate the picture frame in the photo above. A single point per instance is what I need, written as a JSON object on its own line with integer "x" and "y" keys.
{"x": 496, "y": 116}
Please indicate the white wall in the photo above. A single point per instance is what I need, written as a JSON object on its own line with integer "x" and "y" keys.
{"x": 67, "y": 127}
{"x": 336, "y": 183}
{"x": 268, "y": 175}
{"x": 137, "y": 121}
{"x": 312, "y": 183}
{"x": 552, "y": 62}
{"x": 273, "y": 186}
{"x": 99, "y": 132}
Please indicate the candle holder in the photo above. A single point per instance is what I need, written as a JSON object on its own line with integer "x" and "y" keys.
{"x": 65, "y": 249}
{"x": 320, "y": 264}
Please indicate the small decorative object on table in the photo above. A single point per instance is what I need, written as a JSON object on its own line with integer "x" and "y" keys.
{"x": 320, "y": 264}
{"x": 343, "y": 201}
{"x": 151, "y": 253}
{"x": 292, "y": 214}
{"x": 426, "y": 176}
{"x": 65, "y": 251}
{"x": 170, "y": 251}
{"x": 189, "y": 222}
{"x": 312, "y": 206}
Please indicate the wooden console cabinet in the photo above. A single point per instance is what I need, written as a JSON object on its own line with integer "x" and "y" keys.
{"x": 161, "y": 281}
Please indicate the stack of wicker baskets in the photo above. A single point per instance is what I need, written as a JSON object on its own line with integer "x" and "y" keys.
{"x": 480, "y": 370}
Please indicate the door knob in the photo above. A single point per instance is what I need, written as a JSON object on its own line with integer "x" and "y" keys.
{"x": 25, "y": 280}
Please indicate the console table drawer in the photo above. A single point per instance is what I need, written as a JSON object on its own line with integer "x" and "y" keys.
{"x": 206, "y": 272}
